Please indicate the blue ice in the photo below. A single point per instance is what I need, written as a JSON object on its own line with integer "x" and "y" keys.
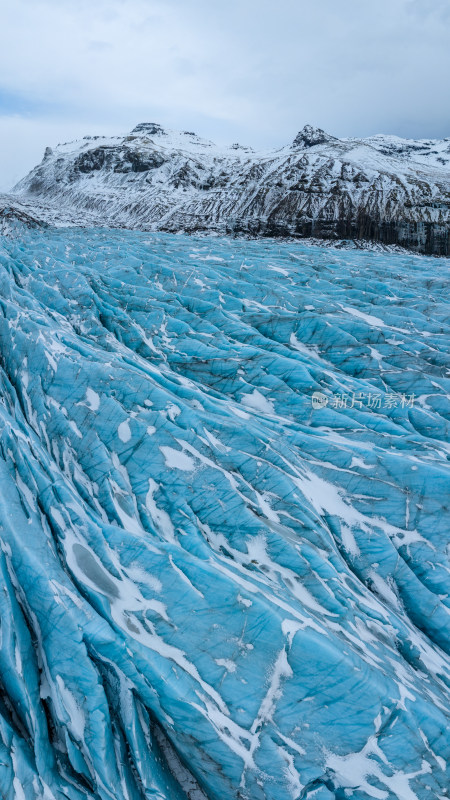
{"x": 212, "y": 585}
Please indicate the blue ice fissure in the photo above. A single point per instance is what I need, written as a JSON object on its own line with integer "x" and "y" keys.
{"x": 224, "y": 519}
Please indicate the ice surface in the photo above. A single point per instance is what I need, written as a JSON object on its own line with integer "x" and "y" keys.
{"x": 211, "y": 587}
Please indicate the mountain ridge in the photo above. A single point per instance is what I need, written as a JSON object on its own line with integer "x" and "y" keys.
{"x": 382, "y": 189}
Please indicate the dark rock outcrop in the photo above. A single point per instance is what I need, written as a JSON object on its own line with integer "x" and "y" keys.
{"x": 13, "y": 215}
{"x": 309, "y": 137}
{"x": 148, "y": 129}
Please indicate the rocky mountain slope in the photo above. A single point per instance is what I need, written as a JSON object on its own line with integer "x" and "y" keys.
{"x": 382, "y": 189}
{"x": 13, "y": 213}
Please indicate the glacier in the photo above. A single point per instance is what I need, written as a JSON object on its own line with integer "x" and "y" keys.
{"x": 224, "y": 519}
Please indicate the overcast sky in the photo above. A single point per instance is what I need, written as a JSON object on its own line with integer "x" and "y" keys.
{"x": 253, "y": 71}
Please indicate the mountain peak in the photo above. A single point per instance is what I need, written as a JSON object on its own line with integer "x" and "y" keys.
{"x": 310, "y": 136}
{"x": 148, "y": 128}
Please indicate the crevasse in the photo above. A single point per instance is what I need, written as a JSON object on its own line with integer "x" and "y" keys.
{"x": 212, "y": 587}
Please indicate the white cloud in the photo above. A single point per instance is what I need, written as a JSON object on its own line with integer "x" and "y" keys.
{"x": 255, "y": 71}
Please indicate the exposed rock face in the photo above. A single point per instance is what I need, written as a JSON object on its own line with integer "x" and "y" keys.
{"x": 381, "y": 189}
{"x": 309, "y": 137}
{"x": 148, "y": 128}
{"x": 13, "y": 214}
{"x": 128, "y": 160}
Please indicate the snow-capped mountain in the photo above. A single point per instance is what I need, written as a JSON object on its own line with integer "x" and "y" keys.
{"x": 382, "y": 188}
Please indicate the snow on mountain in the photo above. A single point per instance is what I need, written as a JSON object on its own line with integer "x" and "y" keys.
{"x": 381, "y": 189}
{"x": 224, "y": 512}
{"x": 14, "y": 215}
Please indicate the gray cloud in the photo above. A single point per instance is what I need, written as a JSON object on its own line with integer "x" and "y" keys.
{"x": 250, "y": 71}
